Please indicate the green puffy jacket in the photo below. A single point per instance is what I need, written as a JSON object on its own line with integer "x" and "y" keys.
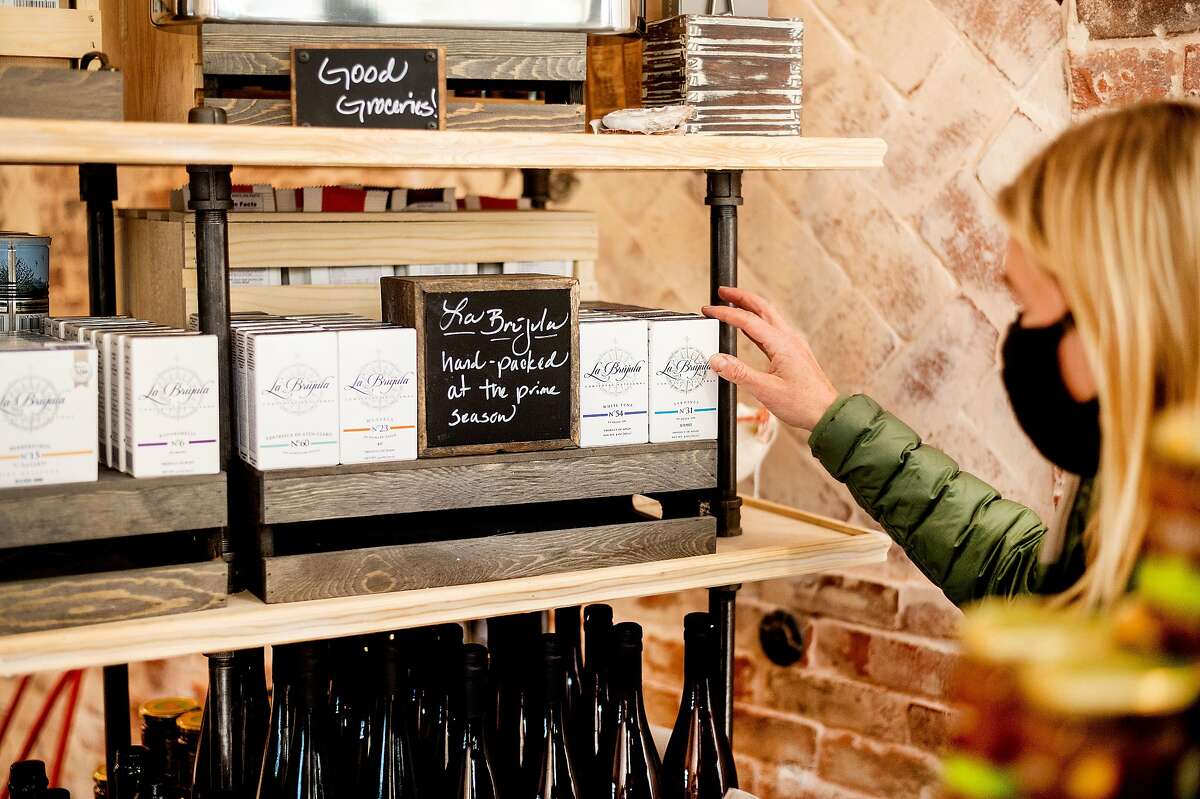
{"x": 956, "y": 529}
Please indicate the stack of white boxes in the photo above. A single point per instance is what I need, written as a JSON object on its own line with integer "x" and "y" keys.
{"x": 157, "y": 398}
{"x": 323, "y": 389}
{"x": 644, "y": 376}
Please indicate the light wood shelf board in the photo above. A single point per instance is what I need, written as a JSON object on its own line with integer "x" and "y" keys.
{"x": 433, "y": 484}
{"x": 33, "y": 141}
{"x": 114, "y": 505}
{"x": 774, "y": 546}
{"x": 49, "y": 32}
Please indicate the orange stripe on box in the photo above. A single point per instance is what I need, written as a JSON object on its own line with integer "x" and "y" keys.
{"x": 70, "y": 453}
{"x": 355, "y": 429}
{"x": 403, "y": 427}
{"x": 9, "y": 457}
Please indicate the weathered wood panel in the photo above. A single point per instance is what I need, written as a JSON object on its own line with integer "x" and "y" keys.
{"x": 29, "y": 605}
{"x": 460, "y": 115}
{"x": 49, "y": 32}
{"x": 115, "y": 505}
{"x": 405, "y": 567}
{"x": 484, "y": 481}
{"x": 474, "y": 55}
{"x": 51, "y": 93}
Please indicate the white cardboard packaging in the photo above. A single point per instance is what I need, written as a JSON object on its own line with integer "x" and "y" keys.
{"x": 683, "y": 390}
{"x": 377, "y": 378}
{"x": 102, "y": 339}
{"x": 613, "y": 381}
{"x": 241, "y": 374}
{"x": 172, "y": 422}
{"x": 47, "y": 414}
{"x": 117, "y": 416}
{"x": 292, "y": 406}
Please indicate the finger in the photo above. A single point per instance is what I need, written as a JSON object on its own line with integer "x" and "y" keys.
{"x": 750, "y": 301}
{"x": 759, "y": 330}
{"x": 736, "y": 371}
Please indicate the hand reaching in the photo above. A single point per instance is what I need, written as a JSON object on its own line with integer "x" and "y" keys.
{"x": 795, "y": 388}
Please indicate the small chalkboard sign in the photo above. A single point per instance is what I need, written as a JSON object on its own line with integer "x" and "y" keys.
{"x": 369, "y": 87}
{"x": 496, "y": 360}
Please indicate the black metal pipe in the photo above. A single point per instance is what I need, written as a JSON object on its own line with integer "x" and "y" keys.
{"x": 723, "y": 197}
{"x": 98, "y": 191}
{"x": 116, "y": 711}
{"x": 535, "y": 184}
{"x": 211, "y": 199}
{"x": 722, "y": 608}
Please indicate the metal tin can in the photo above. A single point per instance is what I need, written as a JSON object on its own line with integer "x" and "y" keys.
{"x": 24, "y": 281}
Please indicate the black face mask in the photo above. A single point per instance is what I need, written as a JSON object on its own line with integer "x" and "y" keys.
{"x": 1064, "y": 430}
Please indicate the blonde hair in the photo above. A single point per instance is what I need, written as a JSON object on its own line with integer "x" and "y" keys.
{"x": 1112, "y": 210}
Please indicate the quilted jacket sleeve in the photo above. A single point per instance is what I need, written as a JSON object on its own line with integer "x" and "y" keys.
{"x": 957, "y": 529}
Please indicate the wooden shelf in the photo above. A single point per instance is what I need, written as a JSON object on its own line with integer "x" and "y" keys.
{"x": 32, "y": 141}
{"x": 778, "y": 542}
{"x": 113, "y": 506}
{"x": 50, "y": 32}
{"x": 433, "y": 484}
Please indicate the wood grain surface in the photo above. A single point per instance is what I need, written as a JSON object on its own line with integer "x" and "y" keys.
{"x": 460, "y": 114}
{"x": 49, "y": 32}
{"x": 296, "y": 495}
{"x": 470, "y": 54}
{"x": 33, "y": 141}
{"x": 50, "y": 93}
{"x": 405, "y": 567}
{"x": 115, "y": 505}
{"x": 86, "y": 599}
{"x": 772, "y": 546}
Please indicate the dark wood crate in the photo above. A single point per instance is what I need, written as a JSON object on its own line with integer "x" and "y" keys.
{"x": 298, "y": 495}
{"x": 463, "y": 548}
{"x": 246, "y": 72}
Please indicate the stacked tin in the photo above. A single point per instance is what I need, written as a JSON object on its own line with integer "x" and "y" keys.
{"x": 24, "y": 281}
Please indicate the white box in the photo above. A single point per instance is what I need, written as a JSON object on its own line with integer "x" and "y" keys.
{"x": 560, "y": 268}
{"x": 172, "y": 419}
{"x": 377, "y": 375}
{"x": 292, "y": 408}
{"x": 241, "y": 376}
{"x": 47, "y": 414}
{"x": 683, "y": 390}
{"x": 613, "y": 382}
{"x": 101, "y": 339}
{"x": 437, "y": 270}
{"x": 259, "y": 276}
{"x": 115, "y": 388}
{"x": 358, "y": 275}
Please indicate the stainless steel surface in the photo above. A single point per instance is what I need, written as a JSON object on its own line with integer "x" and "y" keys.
{"x": 592, "y": 16}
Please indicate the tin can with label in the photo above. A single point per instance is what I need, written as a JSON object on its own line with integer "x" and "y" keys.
{"x": 24, "y": 281}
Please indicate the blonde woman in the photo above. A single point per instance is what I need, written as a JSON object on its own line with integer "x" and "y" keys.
{"x": 1104, "y": 262}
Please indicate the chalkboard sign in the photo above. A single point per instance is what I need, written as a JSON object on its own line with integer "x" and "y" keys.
{"x": 496, "y": 360}
{"x": 369, "y": 87}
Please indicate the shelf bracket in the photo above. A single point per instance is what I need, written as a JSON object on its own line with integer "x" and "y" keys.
{"x": 723, "y": 197}
{"x": 98, "y": 191}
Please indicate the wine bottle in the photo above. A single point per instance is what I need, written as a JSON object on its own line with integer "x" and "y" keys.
{"x": 280, "y": 723}
{"x": 566, "y": 624}
{"x": 310, "y": 770}
{"x": 390, "y": 770}
{"x": 253, "y": 717}
{"x": 131, "y": 773}
{"x": 515, "y": 639}
{"x": 62, "y": 793}
{"x": 353, "y": 669}
{"x": 215, "y": 772}
{"x": 27, "y": 779}
{"x": 475, "y": 777}
{"x": 698, "y": 763}
{"x": 593, "y": 717}
{"x": 633, "y": 760}
{"x": 554, "y": 777}
{"x": 443, "y": 716}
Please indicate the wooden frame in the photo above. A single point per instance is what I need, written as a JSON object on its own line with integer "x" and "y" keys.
{"x": 404, "y": 304}
{"x": 443, "y": 97}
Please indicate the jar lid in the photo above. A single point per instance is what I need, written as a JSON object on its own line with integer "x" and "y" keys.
{"x": 975, "y": 778}
{"x": 1119, "y": 685}
{"x": 1175, "y": 438}
{"x": 167, "y": 707}
{"x": 190, "y": 721}
{"x": 100, "y": 774}
{"x": 1028, "y": 630}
